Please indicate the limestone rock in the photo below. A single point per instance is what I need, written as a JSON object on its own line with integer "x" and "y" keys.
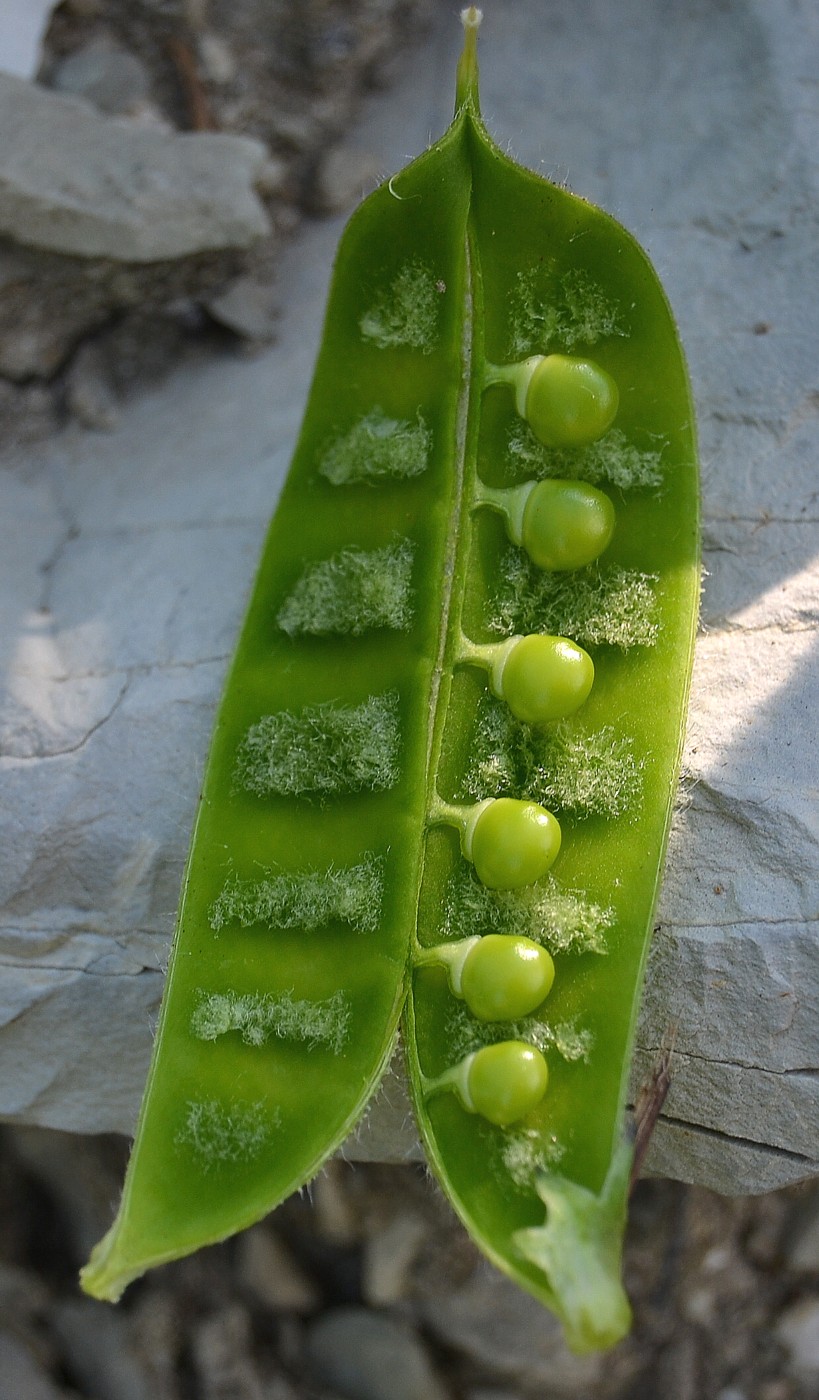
{"x": 98, "y": 217}
{"x": 491, "y": 1320}
{"x": 75, "y": 183}
{"x": 112, "y": 80}
{"x": 365, "y": 1355}
{"x": 798, "y": 1330}
{"x": 23, "y": 24}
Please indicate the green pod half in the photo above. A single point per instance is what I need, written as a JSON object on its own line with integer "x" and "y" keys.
{"x": 546, "y": 1198}
{"x": 228, "y": 1128}
{"x": 348, "y": 726}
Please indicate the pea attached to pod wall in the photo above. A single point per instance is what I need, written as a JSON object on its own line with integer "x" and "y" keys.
{"x": 561, "y": 524}
{"x": 541, "y": 678}
{"x": 498, "y": 976}
{"x": 456, "y": 575}
{"x": 501, "y": 1082}
{"x": 566, "y": 401}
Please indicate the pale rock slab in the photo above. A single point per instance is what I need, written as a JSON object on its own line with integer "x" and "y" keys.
{"x": 76, "y": 183}
{"x": 126, "y": 560}
{"x": 100, "y": 215}
{"x": 23, "y": 25}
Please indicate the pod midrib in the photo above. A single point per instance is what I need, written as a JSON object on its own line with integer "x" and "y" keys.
{"x": 458, "y": 539}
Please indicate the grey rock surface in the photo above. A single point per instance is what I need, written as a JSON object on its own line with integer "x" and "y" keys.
{"x": 272, "y": 1274}
{"x": 74, "y": 182}
{"x": 22, "y": 1374}
{"x": 49, "y": 302}
{"x": 364, "y": 1355}
{"x": 798, "y": 1330}
{"x": 221, "y": 1356}
{"x": 492, "y": 1321}
{"x": 115, "y": 82}
{"x": 23, "y": 24}
{"x": 98, "y": 1352}
{"x": 101, "y": 216}
{"x": 126, "y": 560}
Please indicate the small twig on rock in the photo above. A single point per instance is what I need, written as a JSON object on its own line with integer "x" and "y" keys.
{"x": 649, "y": 1103}
{"x": 181, "y": 54}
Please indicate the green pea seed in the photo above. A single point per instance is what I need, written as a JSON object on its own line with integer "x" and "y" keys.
{"x": 566, "y": 524}
{"x": 562, "y": 525}
{"x": 567, "y": 402}
{"x": 504, "y": 978}
{"x": 504, "y": 1082}
{"x": 513, "y": 843}
{"x": 570, "y": 402}
{"x": 545, "y": 678}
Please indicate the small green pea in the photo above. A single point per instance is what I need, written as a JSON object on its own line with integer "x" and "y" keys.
{"x": 566, "y": 524}
{"x": 513, "y": 843}
{"x": 545, "y": 678}
{"x": 505, "y": 977}
{"x": 570, "y": 402}
{"x": 504, "y": 1082}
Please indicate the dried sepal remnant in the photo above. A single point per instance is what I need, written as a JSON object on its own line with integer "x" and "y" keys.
{"x": 304, "y": 899}
{"x": 407, "y": 312}
{"x": 579, "y": 1248}
{"x": 377, "y": 448}
{"x": 322, "y": 749}
{"x": 352, "y": 592}
{"x": 604, "y": 606}
{"x": 258, "y": 1018}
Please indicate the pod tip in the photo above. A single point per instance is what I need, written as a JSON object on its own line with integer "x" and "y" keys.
{"x": 467, "y": 79}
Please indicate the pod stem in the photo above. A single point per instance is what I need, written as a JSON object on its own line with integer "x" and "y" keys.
{"x": 508, "y": 501}
{"x": 492, "y": 657}
{"x": 454, "y": 1080}
{"x": 451, "y": 956}
{"x": 464, "y": 819}
{"x": 518, "y": 376}
{"x": 466, "y": 81}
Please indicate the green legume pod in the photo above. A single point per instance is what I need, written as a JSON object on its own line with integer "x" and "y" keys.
{"x": 363, "y": 798}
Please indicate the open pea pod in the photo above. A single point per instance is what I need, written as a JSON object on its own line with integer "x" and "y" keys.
{"x": 445, "y": 759}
